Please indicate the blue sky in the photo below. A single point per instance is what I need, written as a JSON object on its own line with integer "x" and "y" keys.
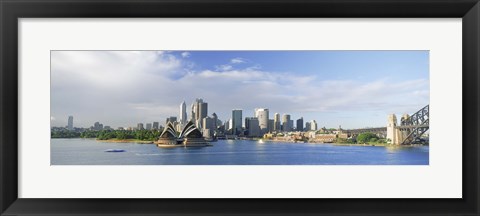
{"x": 350, "y": 88}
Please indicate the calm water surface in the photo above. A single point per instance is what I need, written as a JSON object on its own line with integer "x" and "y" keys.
{"x": 232, "y": 152}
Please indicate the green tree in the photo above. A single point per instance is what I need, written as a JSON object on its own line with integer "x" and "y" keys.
{"x": 366, "y": 137}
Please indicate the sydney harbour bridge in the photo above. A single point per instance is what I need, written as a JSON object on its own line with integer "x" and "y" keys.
{"x": 409, "y": 131}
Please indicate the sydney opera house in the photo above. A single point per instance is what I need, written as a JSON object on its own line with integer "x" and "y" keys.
{"x": 190, "y": 136}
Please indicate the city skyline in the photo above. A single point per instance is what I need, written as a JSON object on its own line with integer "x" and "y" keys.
{"x": 315, "y": 85}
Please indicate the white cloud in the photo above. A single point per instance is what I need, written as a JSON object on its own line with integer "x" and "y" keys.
{"x": 186, "y": 54}
{"x": 225, "y": 67}
{"x": 237, "y": 60}
{"x": 123, "y": 88}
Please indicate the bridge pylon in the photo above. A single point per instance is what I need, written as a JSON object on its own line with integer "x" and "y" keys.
{"x": 411, "y": 127}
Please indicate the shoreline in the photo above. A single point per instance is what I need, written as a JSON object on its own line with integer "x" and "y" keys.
{"x": 126, "y": 141}
{"x": 254, "y": 140}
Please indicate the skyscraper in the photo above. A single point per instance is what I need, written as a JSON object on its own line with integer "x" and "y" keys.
{"x": 300, "y": 124}
{"x": 236, "y": 121}
{"x": 192, "y": 114}
{"x": 140, "y": 126}
{"x": 208, "y": 127}
{"x": 183, "y": 113}
{"x": 262, "y": 115}
{"x": 172, "y": 119}
{"x": 70, "y": 123}
{"x": 313, "y": 125}
{"x": 200, "y": 111}
{"x": 276, "y": 122}
{"x": 307, "y": 126}
{"x": 149, "y": 126}
{"x": 286, "y": 123}
{"x": 208, "y": 123}
{"x": 270, "y": 125}
{"x": 226, "y": 125}
{"x": 252, "y": 126}
{"x": 215, "y": 121}
{"x": 155, "y": 125}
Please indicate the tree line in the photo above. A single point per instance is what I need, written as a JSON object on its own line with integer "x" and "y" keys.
{"x": 145, "y": 135}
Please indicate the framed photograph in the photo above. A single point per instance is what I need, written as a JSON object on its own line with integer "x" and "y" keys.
{"x": 227, "y": 107}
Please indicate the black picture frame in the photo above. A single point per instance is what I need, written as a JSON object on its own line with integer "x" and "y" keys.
{"x": 12, "y": 10}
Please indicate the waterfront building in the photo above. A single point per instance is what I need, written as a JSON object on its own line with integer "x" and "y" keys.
{"x": 252, "y": 125}
{"x": 140, "y": 126}
{"x": 276, "y": 122}
{"x": 270, "y": 125}
{"x": 208, "y": 123}
{"x": 290, "y": 124}
{"x": 70, "y": 123}
{"x": 307, "y": 126}
{"x": 286, "y": 123}
{"x": 313, "y": 125}
{"x": 149, "y": 126}
{"x": 183, "y": 113}
{"x": 262, "y": 115}
{"x": 207, "y": 133}
{"x": 189, "y": 136}
{"x": 171, "y": 119}
{"x": 155, "y": 125}
{"x": 236, "y": 122}
{"x": 300, "y": 124}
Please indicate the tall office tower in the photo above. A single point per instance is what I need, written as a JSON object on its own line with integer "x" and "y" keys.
{"x": 277, "y": 125}
{"x": 252, "y": 125}
{"x": 300, "y": 124}
{"x": 262, "y": 115}
{"x": 140, "y": 126}
{"x": 226, "y": 126}
{"x": 313, "y": 125}
{"x": 270, "y": 125}
{"x": 215, "y": 121}
{"x": 208, "y": 123}
{"x": 192, "y": 115}
{"x": 171, "y": 119}
{"x": 290, "y": 124}
{"x": 155, "y": 125}
{"x": 236, "y": 121}
{"x": 247, "y": 124}
{"x": 183, "y": 113}
{"x": 149, "y": 126}
{"x": 70, "y": 123}
{"x": 200, "y": 110}
{"x": 286, "y": 123}
{"x": 307, "y": 126}
{"x": 203, "y": 110}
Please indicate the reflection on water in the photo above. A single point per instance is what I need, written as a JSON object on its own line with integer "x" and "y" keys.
{"x": 233, "y": 152}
